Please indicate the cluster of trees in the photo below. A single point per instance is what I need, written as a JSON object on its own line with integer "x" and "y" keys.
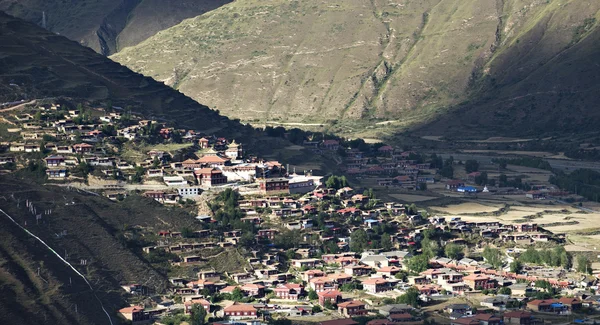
{"x": 493, "y": 256}
{"x": 471, "y": 166}
{"x": 524, "y": 161}
{"x": 410, "y": 297}
{"x": 336, "y": 182}
{"x": 447, "y": 170}
{"x": 583, "y": 182}
{"x": 517, "y": 182}
{"x": 557, "y": 256}
{"x": 584, "y": 265}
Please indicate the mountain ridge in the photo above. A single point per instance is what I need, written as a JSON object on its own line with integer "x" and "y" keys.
{"x": 107, "y": 25}
{"x": 351, "y": 65}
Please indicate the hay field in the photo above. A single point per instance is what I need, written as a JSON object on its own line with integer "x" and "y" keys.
{"x": 412, "y": 197}
{"x": 468, "y": 208}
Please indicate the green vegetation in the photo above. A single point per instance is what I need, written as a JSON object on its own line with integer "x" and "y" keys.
{"x": 524, "y": 161}
{"x": 584, "y": 265}
{"x": 410, "y": 297}
{"x": 493, "y": 256}
{"x": 583, "y": 182}
{"x": 454, "y": 251}
{"x": 336, "y": 182}
{"x": 557, "y": 256}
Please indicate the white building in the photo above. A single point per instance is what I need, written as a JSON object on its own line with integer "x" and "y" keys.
{"x": 189, "y": 191}
{"x": 174, "y": 181}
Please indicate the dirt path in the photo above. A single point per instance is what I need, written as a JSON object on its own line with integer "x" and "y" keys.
{"x": 12, "y": 108}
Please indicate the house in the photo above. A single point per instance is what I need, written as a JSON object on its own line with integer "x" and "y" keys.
{"x": 188, "y": 305}
{"x": 312, "y": 274}
{"x": 322, "y": 284}
{"x": 459, "y": 309}
{"x": 55, "y": 161}
{"x": 56, "y": 173}
{"x": 395, "y": 309}
{"x": 573, "y": 304}
{"x": 479, "y": 281}
{"x": 357, "y": 270}
{"x": 376, "y": 285}
{"x": 134, "y": 314}
{"x": 240, "y": 311}
{"x": 518, "y": 317}
{"x": 389, "y": 271}
{"x": 186, "y": 192}
{"x": 278, "y": 185}
{"x": 454, "y": 184}
{"x": 352, "y": 308}
{"x": 214, "y": 161}
{"x": 375, "y": 261}
{"x": 329, "y": 295}
{"x": 174, "y": 181}
{"x": 253, "y": 290}
{"x": 288, "y": 291}
{"x": 548, "y": 306}
{"x": 83, "y": 148}
{"x": 209, "y": 177}
{"x": 330, "y": 144}
{"x": 307, "y": 262}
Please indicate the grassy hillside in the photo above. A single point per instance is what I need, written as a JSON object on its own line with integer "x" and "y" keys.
{"x": 48, "y": 65}
{"x": 108, "y": 25}
{"x": 38, "y": 288}
{"x": 384, "y": 65}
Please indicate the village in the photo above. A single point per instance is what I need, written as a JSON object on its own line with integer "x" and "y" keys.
{"x": 314, "y": 248}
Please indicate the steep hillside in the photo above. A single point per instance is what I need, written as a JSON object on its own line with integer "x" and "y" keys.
{"x": 357, "y": 64}
{"x": 108, "y": 25}
{"x": 48, "y": 65}
{"x": 38, "y": 288}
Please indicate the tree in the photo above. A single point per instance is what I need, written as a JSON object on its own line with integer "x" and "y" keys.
{"x": 198, "y": 315}
{"x": 237, "y": 294}
{"x": 186, "y": 232}
{"x": 328, "y": 304}
{"x": 359, "y": 241}
{"x": 312, "y": 295}
{"x": 516, "y": 266}
{"x": 471, "y": 166}
{"x": 505, "y": 291}
{"x": 316, "y": 309}
{"x": 386, "y": 242}
{"x": 583, "y": 264}
{"x": 447, "y": 171}
{"x": 287, "y": 239}
{"x": 336, "y": 182}
{"x": 493, "y": 256}
{"x": 454, "y": 251}
{"x": 410, "y": 297}
{"x": 418, "y": 264}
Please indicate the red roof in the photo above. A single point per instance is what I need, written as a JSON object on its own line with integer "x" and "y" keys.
{"x": 352, "y": 303}
{"x": 374, "y": 281}
{"x": 329, "y": 294}
{"x": 240, "y": 308}
{"x": 212, "y": 160}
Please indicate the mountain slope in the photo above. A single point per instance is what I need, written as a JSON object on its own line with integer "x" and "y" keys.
{"x": 40, "y": 289}
{"x": 108, "y": 25}
{"x": 355, "y": 63}
{"x": 48, "y": 65}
